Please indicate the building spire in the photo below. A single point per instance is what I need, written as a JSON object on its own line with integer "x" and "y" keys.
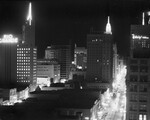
{"x": 143, "y": 19}
{"x": 29, "y": 17}
{"x": 108, "y": 27}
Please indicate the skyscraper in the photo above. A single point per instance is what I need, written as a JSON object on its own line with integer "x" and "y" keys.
{"x": 8, "y": 64}
{"x": 99, "y": 56}
{"x": 62, "y": 53}
{"x": 27, "y": 53}
{"x": 138, "y": 73}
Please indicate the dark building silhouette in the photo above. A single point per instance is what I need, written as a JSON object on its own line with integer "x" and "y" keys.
{"x": 99, "y": 56}
{"x": 8, "y": 64}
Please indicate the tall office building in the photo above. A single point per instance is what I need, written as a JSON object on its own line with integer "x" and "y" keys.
{"x": 138, "y": 74}
{"x": 27, "y": 53}
{"x": 62, "y": 53}
{"x": 8, "y": 64}
{"x": 99, "y": 57}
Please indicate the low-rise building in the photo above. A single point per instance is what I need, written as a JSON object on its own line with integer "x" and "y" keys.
{"x": 48, "y": 69}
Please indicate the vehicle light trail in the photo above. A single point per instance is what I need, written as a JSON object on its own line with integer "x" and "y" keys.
{"x": 112, "y": 104}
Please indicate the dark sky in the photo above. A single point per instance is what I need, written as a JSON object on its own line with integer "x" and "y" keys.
{"x": 61, "y": 21}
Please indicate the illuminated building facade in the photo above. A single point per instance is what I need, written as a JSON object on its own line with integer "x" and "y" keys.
{"x": 27, "y": 53}
{"x": 138, "y": 74}
{"x": 48, "y": 69}
{"x": 80, "y": 57}
{"x": 8, "y": 64}
{"x": 62, "y": 53}
{"x": 26, "y": 64}
{"x": 99, "y": 57}
{"x": 140, "y": 41}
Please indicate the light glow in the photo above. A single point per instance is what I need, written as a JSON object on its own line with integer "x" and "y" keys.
{"x": 148, "y": 13}
{"x": 8, "y": 38}
{"x": 108, "y": 27}
{"x": 29, "y": 17}
{"x": 143, "y": 19}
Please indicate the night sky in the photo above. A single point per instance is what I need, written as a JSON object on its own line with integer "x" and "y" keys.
{"x": 62, "y": 21}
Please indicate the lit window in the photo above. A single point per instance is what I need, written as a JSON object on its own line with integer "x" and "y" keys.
{"x": 140, "y": 117}
{"x": 145, "y": 117}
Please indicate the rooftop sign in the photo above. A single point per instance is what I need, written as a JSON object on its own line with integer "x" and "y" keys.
{"x": 139, "y": 37}
{"x": 8, "y": 38}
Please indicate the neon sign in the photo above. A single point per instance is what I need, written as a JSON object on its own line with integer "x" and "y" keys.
{"x": 8, "y": 39}
{"x": 139, "y": 37}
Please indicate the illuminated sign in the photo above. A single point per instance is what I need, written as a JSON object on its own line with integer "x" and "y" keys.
{"x": 139, "y": 37}
{"x": 8, "y": 39}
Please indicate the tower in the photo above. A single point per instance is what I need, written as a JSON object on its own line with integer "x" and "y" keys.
{"x": 108, "y": 27}
{"x": 28, "y": 29}
{"x": 99, "y": 57}
{"x": 27, "y": 53}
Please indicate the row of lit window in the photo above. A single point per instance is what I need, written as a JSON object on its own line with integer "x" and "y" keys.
{"x": 23, "y": 69}
{"x": 24, "y": 75}
{"x": 23, "y": 54}
{"x": 18, "y": 72}
{"x": 23, "y": 48}
{"x": 23, "y": 64}
{"x": 23, "y": 81}
{"x": 23, "y": 60}
{"x": 23, "y": 57}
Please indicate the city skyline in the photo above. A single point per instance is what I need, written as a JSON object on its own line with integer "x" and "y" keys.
{"x": 60, "y": 22}
{"x": 48, "y": 88}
